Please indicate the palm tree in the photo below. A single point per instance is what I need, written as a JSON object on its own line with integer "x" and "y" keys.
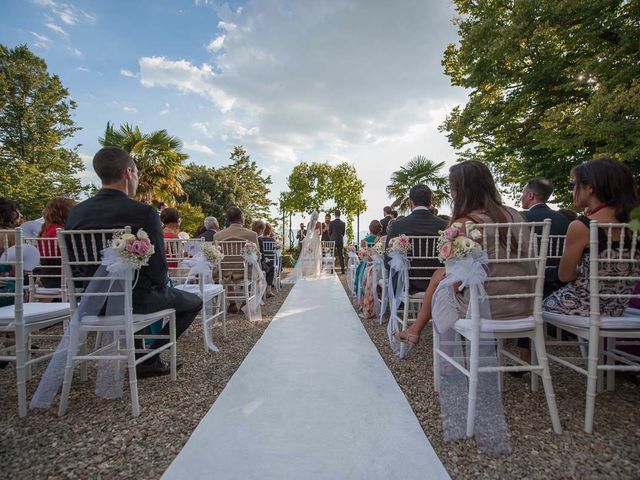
{"x": 419, "y": 170}
{"x": 158, "y": 158}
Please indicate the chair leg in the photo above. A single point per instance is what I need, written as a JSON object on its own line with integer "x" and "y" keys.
{"x": 436, "y": 360}
{"x": 611, "y": 374}
{"x": 28, "y": 369}
{"x": 133, "y": 378}
{"x": 600, "y": 373}
{"x": 224, "y": 314}
{"x": 592, "y": 380}
{"x": 541, "y": 355}
{"x": 499, "y": 347}
{"x": 473, "y": 387}
{"x": 534, "y": 361}
{"x": 83, "y": 366}
{"x": 66, "y": 387}
{"x": 21, "y": 374}
{"x": 173, "y": 349}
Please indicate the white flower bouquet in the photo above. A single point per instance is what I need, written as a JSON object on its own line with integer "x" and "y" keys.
{"x": 251, "y": 248}
{"x": 455, "y": 243}
{"x": 400, "y": 244}
{"x": 211, "y": 253}
{"x": 134, "y": 250}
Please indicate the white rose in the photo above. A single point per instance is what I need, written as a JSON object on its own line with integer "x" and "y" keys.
{"x": 467, "y": 244}
{"x": 475, "y": 234}
{"x": 118, "y": 244}
{"x": 127, "y": 237}
{"x": 142, "y": 235}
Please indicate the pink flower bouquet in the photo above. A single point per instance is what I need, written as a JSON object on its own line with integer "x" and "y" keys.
{"x": 400, "y": 244}
{"x": 135, "y": 250}
{"x": 456, "y": 243}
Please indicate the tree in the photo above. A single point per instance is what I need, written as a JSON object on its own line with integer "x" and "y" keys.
{"x": 552, "y": 84}
{"x": 158, "y": 158}
{"x": 191, "y": 217}
{"x": 313, "y": 185}
{"x": 419, "y": 170}
{"x": 241, "y": 183}
{"x": 35, "y": 123}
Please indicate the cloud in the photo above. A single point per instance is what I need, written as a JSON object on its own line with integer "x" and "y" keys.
{"x": 216, "y": 44}
{"x": 128, "y": 73}
{"x": 130, "y": 109}
{"x": 67, "y": 13}
{"x": 186, "y": 77}
{"x": 41, "y": 41}
{"x": 57, "y": 29}
{"x": 202, "y": 127}
{"x": 166, "y": 109}
{"x": 82, "y": 69}
{"x": 198, "y": 147}
{"x": 74, "y": 50}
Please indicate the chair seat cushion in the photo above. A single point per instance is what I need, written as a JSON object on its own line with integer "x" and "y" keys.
{"x": 498, "y": 326}
{"x": 34, "y": 312}
{"x": 210, "y": 290}
{"x": 631, "y": 321}
{"x": 48, "y": 291}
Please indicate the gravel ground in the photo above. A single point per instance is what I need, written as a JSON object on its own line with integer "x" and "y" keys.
{"x": 612, "y": 452}
{"x": 100, "y": 439}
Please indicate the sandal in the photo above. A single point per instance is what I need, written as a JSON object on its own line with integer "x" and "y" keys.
{"x": 407, "y": 337}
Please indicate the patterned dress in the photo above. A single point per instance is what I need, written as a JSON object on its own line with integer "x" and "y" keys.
{"x": 573, "y": 298}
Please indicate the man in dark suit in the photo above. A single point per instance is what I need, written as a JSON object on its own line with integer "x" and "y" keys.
{"x": 388, "y": 215}
{"x": 212, "y": 227}
{"x": 336, "y": 234}
{"x": 113, "y": 208}
{"x": 420, "y": 222}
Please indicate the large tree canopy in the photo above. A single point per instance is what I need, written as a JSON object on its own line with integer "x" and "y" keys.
{"x": 158, "y": 157}
{"x": 35, "y": 124}
{"x": 241, "y": 183}
{"x": 552, "y": 83}
{"x": 419, "y": 170}
{"x": 313, "y": 185}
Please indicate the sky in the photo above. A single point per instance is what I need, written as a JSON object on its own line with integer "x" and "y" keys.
{"x": 290, "y": 80}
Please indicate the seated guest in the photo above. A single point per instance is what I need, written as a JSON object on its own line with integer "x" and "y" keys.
{"x": 388, "y": 215}
{"x": 605, "y": 188}
{"x": 259, "y": 226}
{"x": 567, "y": 212}
{"x": 9, "y": 219}
{"x": 268, "y": 231}
{"x": 235, "y": 231}
{"x": 211, "y": 228}
{"x": 170, "y": 218}
{"x": 55, "y": 215}
{"x": 476, "y": 199}
{"x": 375, "y": 229}
{"x": 420, "y": 222}
{"x": 112, "y": 207}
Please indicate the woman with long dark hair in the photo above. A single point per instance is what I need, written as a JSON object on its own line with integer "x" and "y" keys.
{"x": 476, "y": 199}
{"x": 605, "y": 190}
{"x": 55, "y": 215}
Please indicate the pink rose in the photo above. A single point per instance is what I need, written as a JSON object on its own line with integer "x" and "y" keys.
{"x": 130, "y": 247}
{"x": 445, "y": 250}
{"x": 451, "y": 233}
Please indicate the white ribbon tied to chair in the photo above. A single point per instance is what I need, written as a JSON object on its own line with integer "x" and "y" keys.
{"x": 491, "y": 431}
{"x": 117, "y": 275}
{"x": 200, "y": 267}
{"x": 398, "y": 268}
{"x": 253, "y": 308}
{"x": 377, "y": 266}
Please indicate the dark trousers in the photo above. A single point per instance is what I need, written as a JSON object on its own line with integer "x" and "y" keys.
{"x": 187, "y": 307}
{"x": 340, "y": 255}
{"x": 269, "y": 272}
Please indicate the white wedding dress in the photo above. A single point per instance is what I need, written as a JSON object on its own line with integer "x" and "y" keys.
{"x": 309, "y": 262}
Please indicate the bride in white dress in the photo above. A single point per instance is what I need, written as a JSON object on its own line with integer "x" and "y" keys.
{"x": 309, "y": 262}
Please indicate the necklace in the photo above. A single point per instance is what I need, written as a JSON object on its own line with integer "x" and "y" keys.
{"x": 596, "y": 209}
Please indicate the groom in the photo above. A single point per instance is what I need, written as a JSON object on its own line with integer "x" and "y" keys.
{"x": 336, "y": 234}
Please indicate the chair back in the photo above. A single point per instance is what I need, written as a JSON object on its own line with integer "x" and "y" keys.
{"x": 614, "y": 268}
{"x": 555, "y": 249}
{"x": 50, "y": 266}
{"x": 81, "y": 257}
{"x": 14, "y": 271}
{"x": 328, "y": 248}
{"x": 177, "y": 251}
{"x": 517, "y": 262}
{"x": 423, "y": 256}
{"x": 233, "y": 261}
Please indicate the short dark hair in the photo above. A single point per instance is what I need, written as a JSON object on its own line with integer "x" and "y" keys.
{"x": 540, "y": 187}
{"x": 327, "y": 215}
{"x": 169, "y": 215}
{"x": 110, "y": 162}
{"x": 8, "y": 212}
{"x": 234, "y": 214}
{"x": 387, "y": 210}
{"x": 420, "y": 195}
{"x": 337, "y": 213}
{"x": 258, "y": 226}
{"x": 395, "y": 214}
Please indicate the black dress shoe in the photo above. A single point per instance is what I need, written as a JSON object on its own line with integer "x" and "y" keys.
{"x": 155, "y": 369}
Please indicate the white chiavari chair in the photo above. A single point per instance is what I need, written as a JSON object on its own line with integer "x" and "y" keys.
{"x": 81, "y": 256}
{"x": 270, "y": 252}
{"x": 234, "y": 273}
{"x": 521, "y": 247}
{"x": 49, "y": 272}
{"x": 613, "y": 272}
{"x": 179, "y": 254}
{"x": 23, "y": 319}
{"x": 328, "y": 258}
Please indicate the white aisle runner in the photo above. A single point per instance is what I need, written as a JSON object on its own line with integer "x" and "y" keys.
{"x": 312, "y": 400}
